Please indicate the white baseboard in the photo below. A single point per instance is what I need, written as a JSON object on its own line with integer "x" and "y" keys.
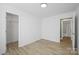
{"x": 21, "y": 45}
{"x": 53, "y": 40}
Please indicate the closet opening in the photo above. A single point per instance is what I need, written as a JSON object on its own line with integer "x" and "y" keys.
{"x": 12, "y": 34}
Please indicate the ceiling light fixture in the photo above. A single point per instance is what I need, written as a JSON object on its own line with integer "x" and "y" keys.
{"x": 43, "y": 5}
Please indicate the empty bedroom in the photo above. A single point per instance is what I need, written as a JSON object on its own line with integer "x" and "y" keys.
{"x": 39, "y": 28}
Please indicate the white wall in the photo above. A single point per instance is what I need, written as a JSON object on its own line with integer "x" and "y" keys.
{"x": 11, "y": 28}
{"x": 30, "y": 30}
{"x": 51, "y": 26}
{"x": 2, "y": 31}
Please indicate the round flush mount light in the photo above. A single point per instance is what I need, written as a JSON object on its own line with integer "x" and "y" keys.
{"x": 43, "y": 5}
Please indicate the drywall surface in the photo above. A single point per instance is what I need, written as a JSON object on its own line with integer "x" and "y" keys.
{"x": 30, "y": 30}
{"x": 2, "y": 31}
{"x": 51, "y": 26}
{"x": 11, "y": 28}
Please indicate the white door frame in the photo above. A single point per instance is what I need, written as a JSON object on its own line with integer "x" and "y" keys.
{"x": 72, "y": 31}
{"x": 18, "y": 26}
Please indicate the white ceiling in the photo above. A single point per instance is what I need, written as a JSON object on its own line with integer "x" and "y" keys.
{"x": 52, "y": 9}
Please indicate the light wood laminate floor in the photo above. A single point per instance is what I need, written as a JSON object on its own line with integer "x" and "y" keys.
{"x": 40, "y": 47}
